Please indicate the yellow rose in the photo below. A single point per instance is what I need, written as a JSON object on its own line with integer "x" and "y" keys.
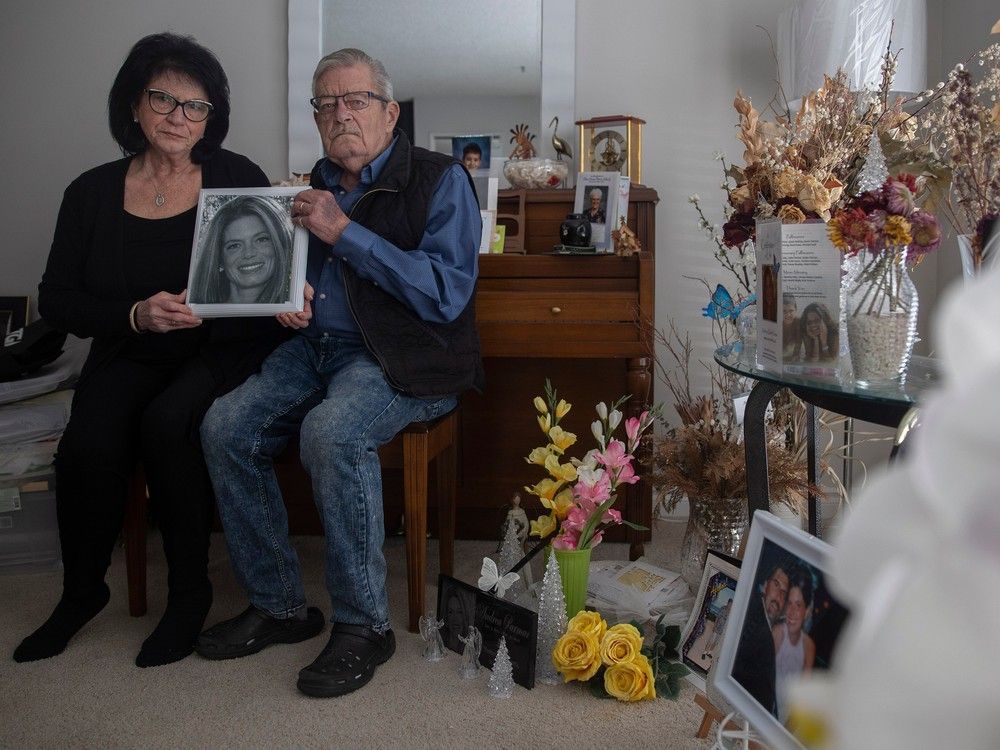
{"x": 588, "y": 622}
{"x": 620, "y": 644}
{"x": 543, "y": 525}
{"x": 631, "y": 680}
{"x": 577, "y": 656}
{"x": 790, "y": 214}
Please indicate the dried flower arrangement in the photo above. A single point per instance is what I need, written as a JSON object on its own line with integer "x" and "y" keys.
{"x": 956, "y": 143}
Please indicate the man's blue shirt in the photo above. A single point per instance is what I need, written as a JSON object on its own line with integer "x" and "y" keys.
{"x": 436, "y": 279}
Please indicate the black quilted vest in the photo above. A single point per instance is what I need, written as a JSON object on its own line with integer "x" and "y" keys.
{"x": 419, "y": 358}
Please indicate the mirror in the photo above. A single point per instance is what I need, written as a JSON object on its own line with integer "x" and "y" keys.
{"x": 467, "y": 66}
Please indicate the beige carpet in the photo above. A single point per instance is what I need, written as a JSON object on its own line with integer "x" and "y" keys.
{"x": 92, "y": 696}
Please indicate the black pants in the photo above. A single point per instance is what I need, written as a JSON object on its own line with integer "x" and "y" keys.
{"x": 126, "y": 412}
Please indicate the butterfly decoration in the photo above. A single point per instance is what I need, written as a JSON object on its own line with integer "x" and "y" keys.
{"x": 721, "y": 305}
{"x": 491, "y": 580}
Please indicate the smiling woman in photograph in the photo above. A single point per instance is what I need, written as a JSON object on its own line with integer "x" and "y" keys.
{"x": 246, "y": 254}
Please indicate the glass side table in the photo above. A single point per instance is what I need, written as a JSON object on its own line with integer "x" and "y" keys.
{"x": 889, "y": 406}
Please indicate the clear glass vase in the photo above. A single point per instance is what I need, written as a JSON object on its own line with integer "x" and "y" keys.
{"x": 880, "y": 313}
{"x": 713, "y": 524}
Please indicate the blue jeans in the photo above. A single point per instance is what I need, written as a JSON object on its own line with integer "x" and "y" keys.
{"x": 333, "y": 393}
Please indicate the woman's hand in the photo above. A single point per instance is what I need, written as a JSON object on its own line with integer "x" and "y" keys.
{"x": 317, "y": 211}
{"x": 299, "y": 319}
{"x": 165, "y": 312}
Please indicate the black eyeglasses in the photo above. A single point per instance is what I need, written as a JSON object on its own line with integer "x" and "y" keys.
{"x": 163, "y": 103}
{"x": 353, "y": 100}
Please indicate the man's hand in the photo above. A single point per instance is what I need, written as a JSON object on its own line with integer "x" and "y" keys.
{"x": 299, "y": 319}
{"x": 165, "y": 312}
{"x": 317, "y": 211}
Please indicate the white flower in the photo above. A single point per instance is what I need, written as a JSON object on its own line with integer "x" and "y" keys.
{"x": 589, "y": 475}
{"x": 693, "y": 198}
{"x": 602, "y": 410}
{"x": 597, "y": 428}
{"x": 614, "y": 419}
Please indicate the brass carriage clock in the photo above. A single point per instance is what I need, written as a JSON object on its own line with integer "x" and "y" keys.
{"x": 612, "y": 144}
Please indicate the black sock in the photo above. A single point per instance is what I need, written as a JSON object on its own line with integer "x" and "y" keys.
{"x": 65, "y": 621}
{"x": 174, "y": 636}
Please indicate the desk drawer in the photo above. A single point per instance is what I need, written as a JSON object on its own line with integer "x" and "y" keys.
{"x": 555, "y": 307}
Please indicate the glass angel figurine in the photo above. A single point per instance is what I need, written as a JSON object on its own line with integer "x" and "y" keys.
{"x": 469, "y": 668}
{"x": 430, "y": 631}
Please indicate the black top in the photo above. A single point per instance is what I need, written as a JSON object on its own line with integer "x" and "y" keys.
{"x": 84, "y": 290}
{"x": 157, "y": 257}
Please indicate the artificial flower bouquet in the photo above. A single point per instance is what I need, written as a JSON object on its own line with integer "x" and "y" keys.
{"x": 883, "y": 225}
{"x": 614, "y": 661}
{"x": 579, "y": 494}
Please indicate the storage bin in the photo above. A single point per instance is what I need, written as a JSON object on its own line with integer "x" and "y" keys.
{"x": 29, "y": 534}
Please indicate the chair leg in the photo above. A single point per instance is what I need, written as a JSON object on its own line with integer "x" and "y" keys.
{"x": 446, "y": 484}
{"x": 415, "y": 505}
{"x": 134, "y": 532}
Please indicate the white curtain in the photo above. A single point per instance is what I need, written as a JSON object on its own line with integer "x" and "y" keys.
{"x": 815, "y": 37}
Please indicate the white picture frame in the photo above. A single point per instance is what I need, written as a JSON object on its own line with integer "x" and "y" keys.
{"x": 589, "y": 187}
{"x": 264, "y": 270}
{"x": 742, "y": 674}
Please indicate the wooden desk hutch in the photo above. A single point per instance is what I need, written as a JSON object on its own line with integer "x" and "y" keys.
{"x": 571, "y": 319}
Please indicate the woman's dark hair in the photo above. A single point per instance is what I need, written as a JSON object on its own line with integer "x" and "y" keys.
{"x": 799, "y": 577}
{"x": 210, "y": 284}
{"x": 160, "y": 53}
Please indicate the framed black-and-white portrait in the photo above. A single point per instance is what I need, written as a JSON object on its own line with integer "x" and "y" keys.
{"x": 248, "y": 258}
{"x": 784, "y": 623}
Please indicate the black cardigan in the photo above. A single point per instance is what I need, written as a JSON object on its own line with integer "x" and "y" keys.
{"x": 83, "y": 290}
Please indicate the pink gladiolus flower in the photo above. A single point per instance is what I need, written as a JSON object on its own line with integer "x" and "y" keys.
{"x": 613, "y": 516}
{"x": 591, "y": 495}
{"x": 626, "y": 475}
{"x": 566, "y": 540}
{"x": 632, "y": 425}
{"x": 615, "y": 455}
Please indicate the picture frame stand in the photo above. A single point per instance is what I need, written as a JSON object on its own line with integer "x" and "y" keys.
{"x": 709, "y": 718}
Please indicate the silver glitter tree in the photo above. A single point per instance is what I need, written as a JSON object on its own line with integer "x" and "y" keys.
{"x": 874, "y": 173}
{"x": 551, "y": 623}
{"x": 511, "y": 553}
{"x": 502, "y": 679}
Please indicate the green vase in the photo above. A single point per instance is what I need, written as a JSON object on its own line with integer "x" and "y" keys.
{"x": 574, "y": 570}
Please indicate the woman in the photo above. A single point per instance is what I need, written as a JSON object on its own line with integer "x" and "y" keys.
{"x": 247, "y": 254}
{"x": 116, "y": 272}
{"x": 794, "y": 649}
{"x": 595, "y": 211}
{"x": 818, "y": 337}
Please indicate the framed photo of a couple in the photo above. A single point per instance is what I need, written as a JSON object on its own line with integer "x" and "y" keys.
{"x": 784, "y": 623}
{"x": 247, "y": 258}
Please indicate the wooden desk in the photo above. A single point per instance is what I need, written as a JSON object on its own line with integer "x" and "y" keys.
{"x": 571, "y": 319}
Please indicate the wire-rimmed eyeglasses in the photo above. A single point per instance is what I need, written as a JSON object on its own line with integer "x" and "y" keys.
{"x": 353, "y": 100}
{"x": 163, "y": 103}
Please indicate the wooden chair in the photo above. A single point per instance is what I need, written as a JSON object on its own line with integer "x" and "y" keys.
{"x": 412, "y": 450}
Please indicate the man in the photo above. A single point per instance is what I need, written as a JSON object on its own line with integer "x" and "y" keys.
{"x": 387, "y": 337}
{"x": 472, "y": 156}
{"x": 753, "y": 667}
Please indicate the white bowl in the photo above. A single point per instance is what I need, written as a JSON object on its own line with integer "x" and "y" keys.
{"x": 535, "y": 173}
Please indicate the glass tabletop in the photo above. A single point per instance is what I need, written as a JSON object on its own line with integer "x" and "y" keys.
{"x": 923, "y": 376}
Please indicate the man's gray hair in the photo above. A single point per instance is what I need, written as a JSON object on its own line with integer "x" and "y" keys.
{"x": 345, "y": 58}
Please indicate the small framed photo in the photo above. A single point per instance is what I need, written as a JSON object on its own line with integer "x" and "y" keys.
{"x": 477, "y": 152}
{"x": 489, "y": 222}
{"x": 701, "y": 639}
{"x": 784, "y": 623}
{"x": 13, "y": 314}
{"x": 247, "y": 258}
{"x": 597, "y": 199}
{"x": 460, "y": 604}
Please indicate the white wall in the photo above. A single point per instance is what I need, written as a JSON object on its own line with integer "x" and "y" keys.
{"x": 57, "y": 63}
{"x": 473, "y": 115}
